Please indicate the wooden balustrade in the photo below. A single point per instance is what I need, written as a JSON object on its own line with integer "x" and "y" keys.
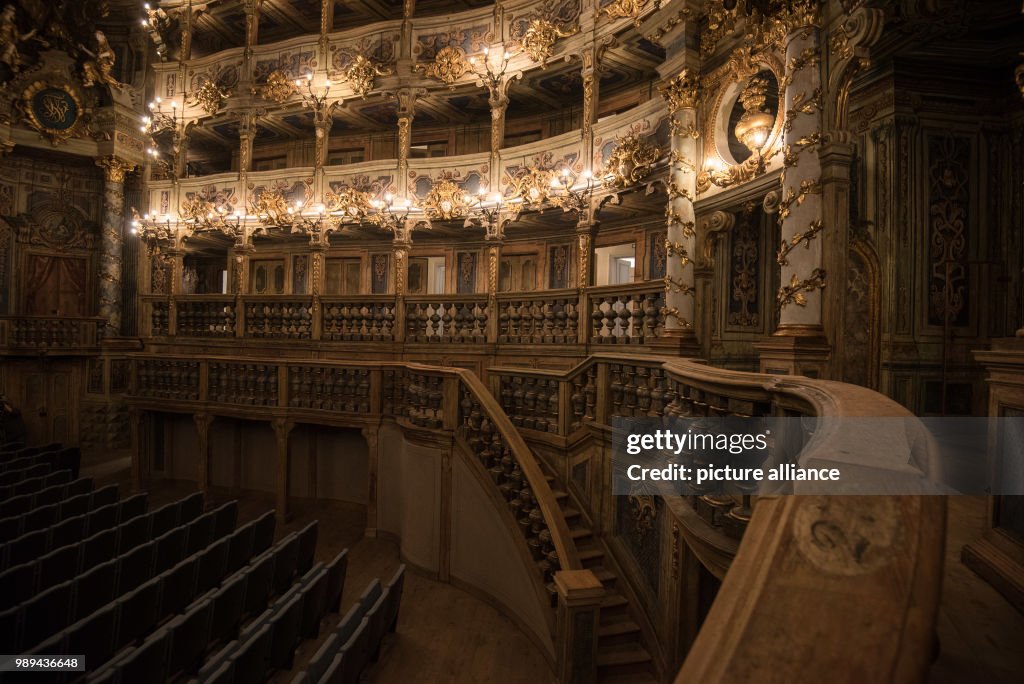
{"x": 358, "y": 320}
{"x": 45, "y": 334}
{"x": 204, "y": 317}
{"x": 426, "y": 397}
{"x": 539, "y": 318}
{"x": 288, "y": 318}
{"x": 622, "y": 315}
{"x": 446, "y": 319}
{"x": 626, "y": 315}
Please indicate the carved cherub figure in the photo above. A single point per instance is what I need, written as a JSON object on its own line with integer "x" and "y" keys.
{"x": 99, "y": 69}
{"x": 9, "y": 39}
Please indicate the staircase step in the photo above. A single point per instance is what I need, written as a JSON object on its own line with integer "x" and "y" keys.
{"x": 559, "y": 494}
{"x": 569, "y": 512}
{"x": 619, "y": 628}
{"x": 581, "y": 532}
{"x": 603, "y": 574}
{"x": 590, "y": 553}
{"x": 624, "y": 654}
{"x": 615, "y": 600}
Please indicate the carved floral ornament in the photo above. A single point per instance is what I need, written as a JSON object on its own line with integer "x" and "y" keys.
{"x": 210, "y": 96}
{"x": 449, "y": 65}
{"x": 627, "y": 9}
{"x": 278, "y": 88}
{"x": 631, "y": 161}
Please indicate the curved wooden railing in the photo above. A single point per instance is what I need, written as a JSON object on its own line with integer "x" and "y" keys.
{"x": 359, "y": 393}
{"x": 788, "y": 577}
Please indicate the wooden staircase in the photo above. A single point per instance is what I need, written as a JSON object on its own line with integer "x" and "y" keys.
{"x": 621, "y": 654}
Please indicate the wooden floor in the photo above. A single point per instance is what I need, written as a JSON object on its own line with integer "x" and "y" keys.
{"x": 444, "y": 635}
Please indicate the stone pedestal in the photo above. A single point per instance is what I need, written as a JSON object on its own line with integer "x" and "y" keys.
{"x": 788, "y": 354}
{"x": 998, "y": 556}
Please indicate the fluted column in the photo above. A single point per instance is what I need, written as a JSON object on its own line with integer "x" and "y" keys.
{"x": 112, "y": 242}
{"x": 800, "y": 208}
{"x": 681, "y": 93}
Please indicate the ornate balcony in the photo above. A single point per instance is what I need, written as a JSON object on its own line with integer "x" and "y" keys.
{"x": 34, "y": 335}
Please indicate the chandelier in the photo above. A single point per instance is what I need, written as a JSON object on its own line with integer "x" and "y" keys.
{"x": 165, "y": 126}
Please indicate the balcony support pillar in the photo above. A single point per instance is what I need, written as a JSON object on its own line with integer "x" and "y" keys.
{"x": 282, "y": 431}
{"x": 112, "y": 243}
{"x": 203, "y": 422}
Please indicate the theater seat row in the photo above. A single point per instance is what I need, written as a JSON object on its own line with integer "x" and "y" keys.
{"x": 53, "y": 609}
{"x": 25, "y": 503}
{"x": 212, "y": 618}
{"x": 356, "y": 639}
{"x": 34, "y": 484}
{"x": 128, "y": 621}
{"x": 42, "y": 517}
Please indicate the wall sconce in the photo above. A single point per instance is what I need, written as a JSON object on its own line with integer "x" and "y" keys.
{"x": 755, "y": 125}
{"x": 491, "y": 71}
{"x": 311, "y": 98}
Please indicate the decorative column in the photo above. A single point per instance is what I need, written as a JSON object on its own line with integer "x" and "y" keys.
{"x": 246, "y": 135}
{"x": 282, "y": 431}
{"x": 140, "y": 449}
{"x": 406, "y": 113}
{"x": 579, "y": 606}
{"x": 400, "y": 258}
{"x": 326, "y": 22}
{"x": 114, "y": 171}
{"x": 682, "y": 94}
{"x": 800, "y": 211}
{"x": 203, "y": 422}
{"x": 799, "y": 345}
{"x": 252, "y": 26}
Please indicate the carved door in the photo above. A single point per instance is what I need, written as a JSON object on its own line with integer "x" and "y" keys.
{"x": 46, "y": 407}
{"x": 56, "y": 286}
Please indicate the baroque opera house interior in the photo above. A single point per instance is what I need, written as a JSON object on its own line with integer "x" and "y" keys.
{"x": 511, "y": 341}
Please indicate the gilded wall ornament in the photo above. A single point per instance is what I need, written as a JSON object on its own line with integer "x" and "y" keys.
{"x": 682, "y": 92}
{"x": 55, "y": 110}
{"x": 448, "y": 66}
{"x": 361, "y": 73}
{"x": 539, "y": 39}
{"x": 445, "y": 201}
{"x": 210, "y": 96}
{"x": 793, "y": 293}
{"x": 278, "y": 88}
{"x": 352, "y": 204}
{"x": 534, "y": 186}
{"x": 631, "y": 161}
{"x": 627, "y": 9}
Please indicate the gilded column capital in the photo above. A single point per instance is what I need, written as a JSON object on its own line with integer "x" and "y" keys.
{"x": 114, "y": 168}
{"x": 682, "y": 91}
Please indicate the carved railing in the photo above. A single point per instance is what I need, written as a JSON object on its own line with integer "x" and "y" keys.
{"x": 539, "y": 318}
{"x": 446, "y": 318}
{"x": 244, "y": 384}
{"x": 426, "y": 397}
{"x": 205, "y": 317}
{"x": 158, "y": 378}
{"x": 45, "y": 334}
{"x": 288, "y": 318}
{"x": 765, "y": 591}
{"x": 626, "y": 315}
{"x": 531, "y": 400}
{"x": 358, "y": 320}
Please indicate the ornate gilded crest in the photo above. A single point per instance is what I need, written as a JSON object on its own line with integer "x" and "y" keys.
{"x": 210, "y": 96}
{"x": 626, "y": 9}
{"x": 278, "y": 88}
{"x": 681, "y": 92}
{"x": 445, "y": 201}
{"x": 55, "y": 110}
{"x": 353, "y": 205}
{"x": 361, "y": 73}
{"x": 448, "y": 66}
{"x": 535, "y": 186}
{"x": 631, "y": 161}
